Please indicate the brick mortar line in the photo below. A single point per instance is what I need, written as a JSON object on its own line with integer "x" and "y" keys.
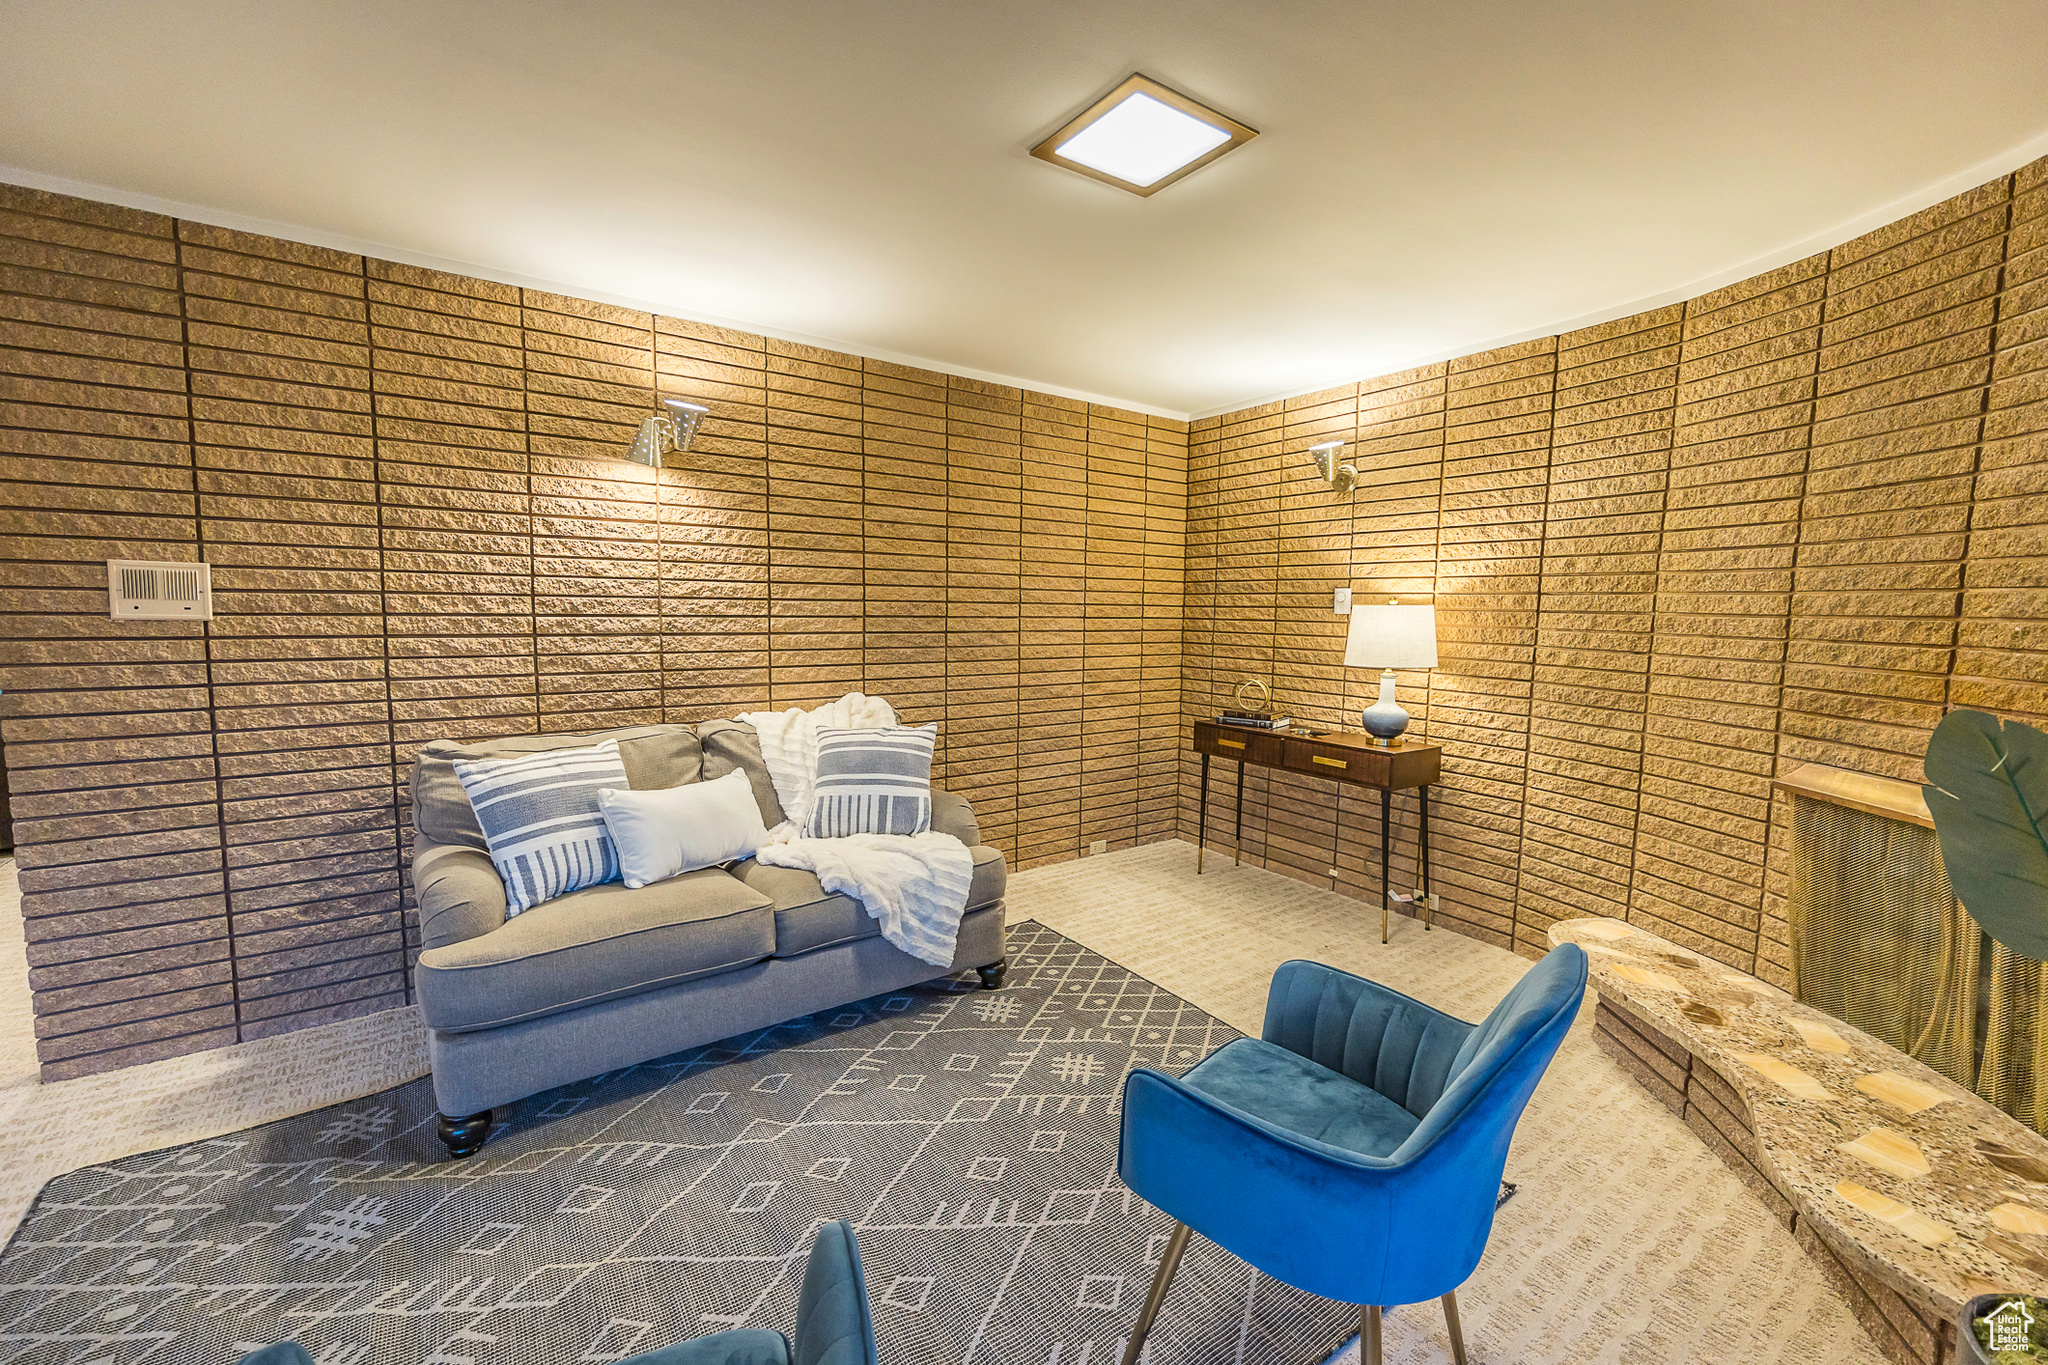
{"x": 1977, "y": 453}
{"x": 206, "y": 635}
{"x": 384, "y": 614}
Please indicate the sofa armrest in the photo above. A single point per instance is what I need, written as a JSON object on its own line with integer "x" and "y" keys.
{"x": 460, "y": 894}
{"x": 952, "y": 815}
{"x": 1377, "y": 1036}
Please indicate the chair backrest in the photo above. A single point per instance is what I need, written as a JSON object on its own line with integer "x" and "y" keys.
{"x": 1504, "y": 1057}
{"x": 833, "y": 1323}
{"x": 1398, "y": 1046}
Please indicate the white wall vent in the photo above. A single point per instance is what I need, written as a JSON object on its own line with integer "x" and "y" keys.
{"x": 159, "y": 590}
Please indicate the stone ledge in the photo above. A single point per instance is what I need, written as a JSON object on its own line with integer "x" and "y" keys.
{"x": 1787, "y": 1097}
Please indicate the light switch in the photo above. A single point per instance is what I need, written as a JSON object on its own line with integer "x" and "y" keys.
{"x": 1342, "y": 602}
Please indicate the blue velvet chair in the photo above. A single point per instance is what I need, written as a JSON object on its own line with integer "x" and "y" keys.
{"x": 1354, "y": 1150}
{"x": 833, "y": 1326}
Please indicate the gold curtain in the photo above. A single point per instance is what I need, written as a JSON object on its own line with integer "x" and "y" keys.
{"x": 1879, "y": 940}
{"x": 1877, "y": 937}
{"x": 2014, "y": 1035}
{"x": 1948, "y": 1040}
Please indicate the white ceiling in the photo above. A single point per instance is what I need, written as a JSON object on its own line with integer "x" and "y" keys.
{"x": 1430, "y": 179}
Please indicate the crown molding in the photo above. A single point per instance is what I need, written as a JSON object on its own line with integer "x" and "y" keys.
{"x": 383, "y": 251}
{"x": 2005, "y": 163}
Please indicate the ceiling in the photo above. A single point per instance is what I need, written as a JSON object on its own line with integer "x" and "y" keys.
{"x": 1430, "y": 179}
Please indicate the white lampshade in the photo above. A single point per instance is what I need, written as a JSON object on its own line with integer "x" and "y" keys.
{"x": 1391, "y": 636}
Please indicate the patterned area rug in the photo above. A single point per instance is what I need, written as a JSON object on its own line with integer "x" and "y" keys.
{"x": 970, "y": 1136}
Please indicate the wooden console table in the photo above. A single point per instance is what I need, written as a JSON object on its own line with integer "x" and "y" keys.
{"x": 1349, "y": 758}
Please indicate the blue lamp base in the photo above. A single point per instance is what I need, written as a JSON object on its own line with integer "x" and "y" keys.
{"x": 1385, "y": 720}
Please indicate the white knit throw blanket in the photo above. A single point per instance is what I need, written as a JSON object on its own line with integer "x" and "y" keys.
{"x": 915, "y": 885}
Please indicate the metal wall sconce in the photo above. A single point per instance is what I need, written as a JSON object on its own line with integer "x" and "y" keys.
{"x": 1342, "y": 478}
{"x": 666, "y": 433}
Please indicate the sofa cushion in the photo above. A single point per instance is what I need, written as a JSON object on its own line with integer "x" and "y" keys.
{"x": 729, "y": 745}
{"x": 1289, "y": 1091}
{"x": 596, "y": 944}
{"x": 952, "y": 815}
{"x": 654, "y": 756}
{"x": 680, "y": 829}
{"x": 808, "y": 916}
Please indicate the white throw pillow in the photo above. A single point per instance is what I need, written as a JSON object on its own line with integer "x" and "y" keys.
{"x": 660, "y": 834}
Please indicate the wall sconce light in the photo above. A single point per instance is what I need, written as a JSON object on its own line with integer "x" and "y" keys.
{"x": 1342, "y": 478}
{"x": 666, "y": 433}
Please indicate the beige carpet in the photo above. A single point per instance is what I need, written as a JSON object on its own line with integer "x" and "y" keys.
{"x": 1628, "y": 1241}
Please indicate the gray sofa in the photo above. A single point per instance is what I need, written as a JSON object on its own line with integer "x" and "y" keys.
{"x": 606, "y": 977}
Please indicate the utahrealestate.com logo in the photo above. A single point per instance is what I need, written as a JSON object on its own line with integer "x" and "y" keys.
{"x": 2009, "y": 1326}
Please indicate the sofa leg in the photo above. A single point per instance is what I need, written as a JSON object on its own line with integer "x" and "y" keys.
{"x": 1369, "y": 1334}
{"x": 995, "y": 974}
{"x": 465, "y": 1136}
{"x": 1168, "y": 1263}
{"x": 1457, "y": 1335}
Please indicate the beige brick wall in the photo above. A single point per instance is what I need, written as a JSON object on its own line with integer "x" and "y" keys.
{"x": 1790, "y": 521}
{"x": 405, "y": 483}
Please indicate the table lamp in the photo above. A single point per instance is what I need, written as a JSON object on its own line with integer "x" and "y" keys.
{"x": 1387, "y": 638}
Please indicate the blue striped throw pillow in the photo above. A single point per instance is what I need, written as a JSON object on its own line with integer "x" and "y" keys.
{"x": 542, "y": 821}
{"x": 874, "y": 781}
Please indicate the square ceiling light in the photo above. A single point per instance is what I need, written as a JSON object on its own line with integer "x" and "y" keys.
{"x": 1142, "y": 137}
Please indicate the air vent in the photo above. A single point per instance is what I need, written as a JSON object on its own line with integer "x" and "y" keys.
{"x": 151, "y": 590}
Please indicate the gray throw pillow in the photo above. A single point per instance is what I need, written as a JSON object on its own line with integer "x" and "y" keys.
{"x": 543, "y": 821}
{"x": 874, "y": 781}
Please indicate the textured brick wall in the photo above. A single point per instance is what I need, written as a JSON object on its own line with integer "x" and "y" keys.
{"x": 404, "y": 481}
{"x": 1790, "y": 521}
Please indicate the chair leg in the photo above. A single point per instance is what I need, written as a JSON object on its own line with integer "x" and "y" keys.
{"x": 1369, "y": 1334}
{"x": 1457, "y": 1336}
{"x": 1168, "y": 1263}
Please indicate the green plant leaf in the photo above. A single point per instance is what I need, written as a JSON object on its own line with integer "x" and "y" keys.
{"x": 1987, "y": 788}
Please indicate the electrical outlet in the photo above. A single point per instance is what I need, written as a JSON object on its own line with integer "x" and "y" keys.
{"x": 1098, "y": 846}
{"x": 1430, "y": 900}
{"x": 1332, "y": 871}
{"x": 1340, "y": 602}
